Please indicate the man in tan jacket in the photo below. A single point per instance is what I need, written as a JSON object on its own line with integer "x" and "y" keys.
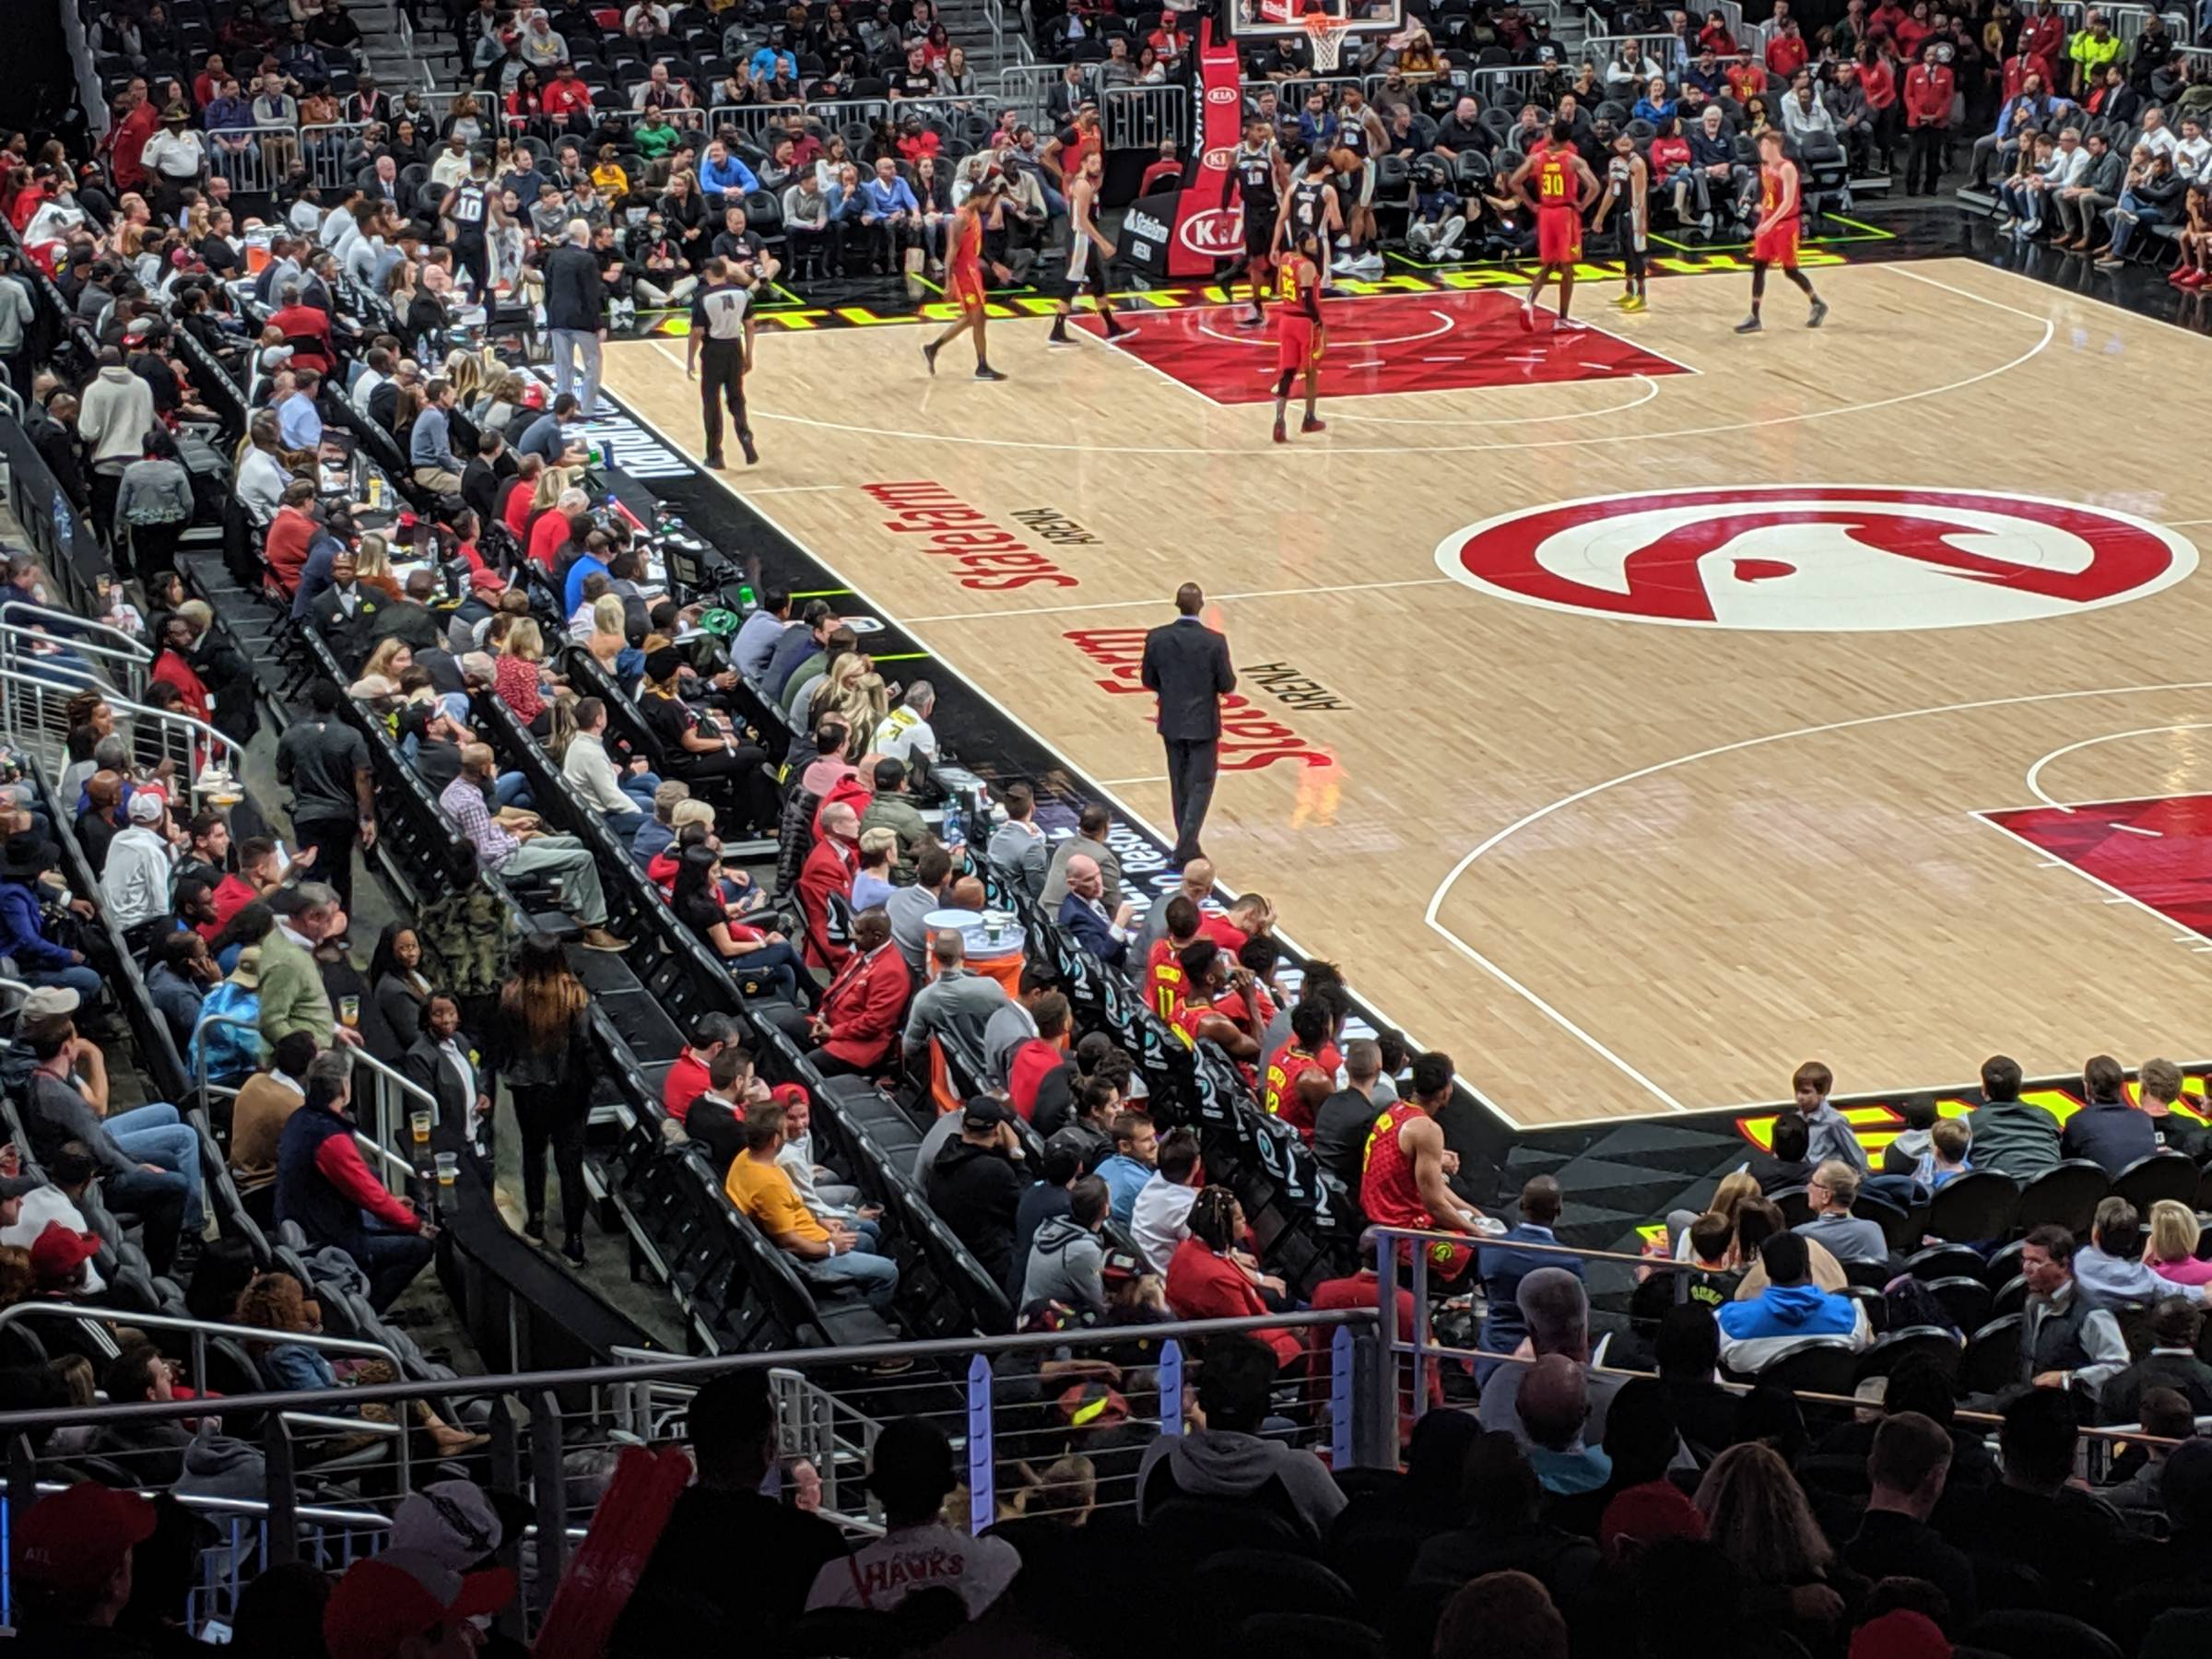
{"x": 268, "y": 1099}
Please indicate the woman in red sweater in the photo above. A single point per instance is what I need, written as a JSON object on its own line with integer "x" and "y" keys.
{"x": 1207, "y": 1277}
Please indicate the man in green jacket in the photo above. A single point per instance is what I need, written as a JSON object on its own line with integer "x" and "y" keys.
{"x": 894, "y": 809}
{"x": 292, "y": 997}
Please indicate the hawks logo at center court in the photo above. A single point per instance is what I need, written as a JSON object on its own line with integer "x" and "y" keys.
{"x": 1819, "y": 558}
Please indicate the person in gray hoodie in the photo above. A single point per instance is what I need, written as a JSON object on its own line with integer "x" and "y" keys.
{"x": 1067, "y": 1259}
{"x": 1225, "y": 1456}
{"x": 113, "y": 417}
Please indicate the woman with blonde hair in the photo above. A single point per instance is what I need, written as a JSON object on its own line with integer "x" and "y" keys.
{"x": 372, "y": 566}
{"x": 858, "y": 696}
{"x": 519, "y": 677}
{"x": 1757, "y": 1516}
{"x": 608, "y": 642}
{"x": 391, "y": 659}
{"x": 2170, "y": 1252}
{"x": 465, "y": 373}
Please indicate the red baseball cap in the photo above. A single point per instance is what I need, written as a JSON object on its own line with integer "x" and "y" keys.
{"x": 57, "y": 1253}
{"x": 1649, "y": 1513}
{"x": 388, "y": 1600}
{"x": 1900, "y": 1633}
{"x": 73, "y": 1541}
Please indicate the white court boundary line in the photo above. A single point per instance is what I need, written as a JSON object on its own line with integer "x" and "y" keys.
{"x": 2117, "y": 897}
{"x": 1282, "y": 454}
{"x": 2036, "y": 772}
{"x": 1436, "y": 900}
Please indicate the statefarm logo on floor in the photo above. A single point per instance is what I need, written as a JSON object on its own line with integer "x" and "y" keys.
{"x": 1819, "y": 558}
{"x": 1250, "y": 737}
{"x": 991, "y": 559}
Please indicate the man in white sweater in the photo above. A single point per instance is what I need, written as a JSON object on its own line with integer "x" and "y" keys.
{"x": 114, "y": 417}
{"x": 592, "y": 776}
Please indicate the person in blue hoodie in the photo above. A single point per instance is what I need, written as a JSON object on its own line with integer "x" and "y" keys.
{"x": 1790, "y": 1312}
{"x": 38, "y": 961}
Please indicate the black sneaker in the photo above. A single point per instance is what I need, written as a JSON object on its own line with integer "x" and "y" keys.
{"x": 574, "y": 1250}
{"x": 713, "y": 462}
{"x": 986, "y": 372}
{"x": 1750, "y": 325}
{"x": 744, "y": 442}
{"x": 929, "y": 355}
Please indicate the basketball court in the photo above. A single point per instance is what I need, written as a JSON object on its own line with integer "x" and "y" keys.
{"x": 1632, "y": 712}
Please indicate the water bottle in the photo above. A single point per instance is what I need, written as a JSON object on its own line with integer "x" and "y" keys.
{"x": 956, "y": 825}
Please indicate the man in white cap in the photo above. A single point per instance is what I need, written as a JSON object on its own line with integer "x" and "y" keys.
{"x": 135, "y": 884}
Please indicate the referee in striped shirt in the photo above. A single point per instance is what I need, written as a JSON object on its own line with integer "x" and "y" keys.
{"x": 722, "y": 314}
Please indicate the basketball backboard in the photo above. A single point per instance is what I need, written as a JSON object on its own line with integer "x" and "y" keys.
{"x": 1262, "y": 17}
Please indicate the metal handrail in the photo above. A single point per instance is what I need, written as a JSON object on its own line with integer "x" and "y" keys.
{"x": 81, "y": 629}
{"x": 165, "y": 724}
{"x": 200, "y": 1330}
{"x": 687, "y": 1371}
{"x": 380, "y": 1143}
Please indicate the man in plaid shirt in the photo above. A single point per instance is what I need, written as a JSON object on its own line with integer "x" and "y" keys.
{"x": 524, "y": 850}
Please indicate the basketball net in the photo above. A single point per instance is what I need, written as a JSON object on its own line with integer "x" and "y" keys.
{"x": 1325, "y": 36}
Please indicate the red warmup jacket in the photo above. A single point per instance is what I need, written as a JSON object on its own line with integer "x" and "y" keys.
{"x": 852, "y": 791}
{"x": 2044, "y": 38}
{"x": 1927, "y": 96}
{"x": 863, "y": 1004}
{"x": 1878, "y": 81}
{"x": 305, "y": 322}
{"x": 338, "y": 1161}
{"x": 545, "y": 535}
{"x": 171, "y": 669}
{"x": 829, "y": 869}
{"x": 285, "y": 551}
{"x": 1202, "y": 1285}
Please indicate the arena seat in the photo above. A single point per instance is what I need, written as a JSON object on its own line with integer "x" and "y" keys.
{"x": 2169, "y": 1176}
{"x": 2064, "y": 1195}
{"x": 1981, "y": 1204}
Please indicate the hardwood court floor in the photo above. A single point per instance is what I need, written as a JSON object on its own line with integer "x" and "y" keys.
{"x": 1663, "y": 808}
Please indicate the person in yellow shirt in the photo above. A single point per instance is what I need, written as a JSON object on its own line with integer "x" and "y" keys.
{"x": 2091, "y": 49}
{"x": 763, "y": 1192}
{"x": 607, "y": 178}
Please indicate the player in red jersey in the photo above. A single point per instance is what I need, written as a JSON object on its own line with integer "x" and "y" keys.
{"x": 1558, "y": 183}
{"x": 1775, "y": 241}
{"x": 964, "y": 275}
{"x": 1296, "y": 1082}
{"x": 1163, "y": 965}
{"x": 1405, "y": 1182}
{"x": 1300, "y": 336}
{"x": 1206, "y": 974}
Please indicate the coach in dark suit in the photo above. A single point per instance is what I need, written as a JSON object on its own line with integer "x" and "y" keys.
{"x": 1186, "y": 666}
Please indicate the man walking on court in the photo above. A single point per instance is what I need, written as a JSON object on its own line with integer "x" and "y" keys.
{"x": 1186, "y": 666}
{"x": 576, "y": 313}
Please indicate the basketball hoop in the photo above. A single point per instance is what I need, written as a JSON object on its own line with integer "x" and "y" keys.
{"x": 1325, "y": 36}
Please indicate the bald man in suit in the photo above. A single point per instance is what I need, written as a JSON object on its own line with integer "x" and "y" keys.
{"x": 1186, "y": 666}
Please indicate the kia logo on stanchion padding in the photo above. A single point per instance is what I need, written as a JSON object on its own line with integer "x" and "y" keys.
{"x": 1221, "y": 95}
{"x": 1219, "y": 160}
{"x": 1217, "y": 233}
